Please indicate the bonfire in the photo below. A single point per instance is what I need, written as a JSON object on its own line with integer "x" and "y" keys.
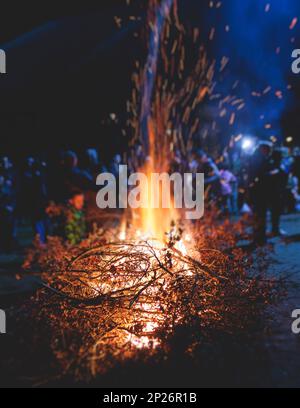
{"x": 125, "y": 291}
{"x": 111, "y": 300}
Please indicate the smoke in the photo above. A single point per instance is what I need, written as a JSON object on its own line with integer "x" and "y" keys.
{"x": 258, "y": 38}
{"x": 252, "y": 43}
{"x": 161, "y": 11}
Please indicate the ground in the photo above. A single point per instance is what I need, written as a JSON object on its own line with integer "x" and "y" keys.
{"x": 283, "y": 345}
{"x": 280, "y": 347}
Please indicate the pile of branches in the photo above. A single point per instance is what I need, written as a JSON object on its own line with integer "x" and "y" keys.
{"x": 104, "y": 302}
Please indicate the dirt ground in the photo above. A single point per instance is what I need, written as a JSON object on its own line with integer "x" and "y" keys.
{"x": 284, "y": 346}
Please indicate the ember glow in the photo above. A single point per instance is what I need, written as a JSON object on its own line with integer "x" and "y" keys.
{"x": 129, "y": 288}
{"x": 153, "y": 233}
{"x": 154, "y": 222}
{"x": 162, "y": 107}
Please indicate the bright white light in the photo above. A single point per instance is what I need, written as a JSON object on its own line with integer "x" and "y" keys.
{"x": 289, "y": 139}
{"x": 247, "y": 144}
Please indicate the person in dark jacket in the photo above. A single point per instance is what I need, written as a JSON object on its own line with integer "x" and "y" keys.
{"x": 259, "y": 173}
{"x": 278, "y": 179}
{"x": 7, "y": 213}
{"x": 212, "y": 176}
{"x": 8, "y": 239}
{"x": 33, "y": 196}
{"x": 73, "y": 178}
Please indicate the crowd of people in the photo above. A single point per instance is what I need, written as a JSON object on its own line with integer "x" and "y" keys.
{"x": 50, "y": 197}
{"x": 53, "y": 198}
{"x": 257, "y": 183}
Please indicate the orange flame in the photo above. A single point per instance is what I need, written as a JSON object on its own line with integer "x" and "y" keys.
{"x": 155, "y": 222}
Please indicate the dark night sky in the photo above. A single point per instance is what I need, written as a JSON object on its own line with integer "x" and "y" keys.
{"x": 69, "y": 67}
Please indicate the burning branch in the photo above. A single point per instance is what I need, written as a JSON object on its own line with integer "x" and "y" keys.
{"x": 109, "y": 303}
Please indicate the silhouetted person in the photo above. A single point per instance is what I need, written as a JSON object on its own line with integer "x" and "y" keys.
{"x": 7, "y": 213}
{"x": 114, "y": 165}
{"x": 92, "y": 164}
{"x": 7, "y": 168}
{"x": 228, "y": 182}
{"x": 296, "y": 166}
{"x": 93, "y": 167}
{"x": 278, "y": 179}
{"x": 72, "y": 177}
{"x": 201, "y": 163}
{"x": 7, "y": 204}
{"x": 260, "y": 168}
{"x": 33, "y": 197}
